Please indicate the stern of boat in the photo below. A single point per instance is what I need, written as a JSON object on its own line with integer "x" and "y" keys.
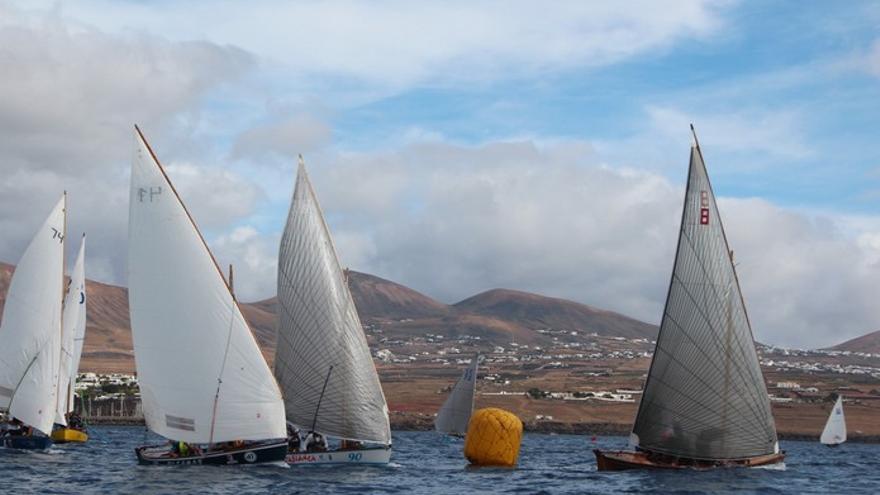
{"x": 69, "y": 435}
{"x": 369, "y": 455}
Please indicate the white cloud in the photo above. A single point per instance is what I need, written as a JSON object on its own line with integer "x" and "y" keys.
{"x": 216, "y": 197}
{"x": 286, "y": 138}
{"x": 254, "y": 258}
{"x": 775, "y": 132}
{"x": 70, "y": 95}
{"x": 452, "y": 221}
{"x": 400, "y": 43}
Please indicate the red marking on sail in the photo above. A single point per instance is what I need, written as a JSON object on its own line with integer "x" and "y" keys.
{"x": 704, "y": 216}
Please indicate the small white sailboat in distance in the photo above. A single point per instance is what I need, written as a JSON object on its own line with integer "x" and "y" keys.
{"x": 455, "y": 414}
{"x": 834, "y": 433}
{"x": 31, "y": 337}
{"x": 322, "y": 360}
{"x": 204, "y": 383}
{"x": 70, "y": 427}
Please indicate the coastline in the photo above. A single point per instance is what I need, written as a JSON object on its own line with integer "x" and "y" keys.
{"x": 426, "y": 423}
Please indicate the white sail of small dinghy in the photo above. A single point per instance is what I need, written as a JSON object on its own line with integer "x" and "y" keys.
{"x": 835, "y": 429}
{"x": 705, "y": 397}
{"x": 31, "y": 327}
{"x": 73, "y": 329}
{"x": 322, "y": 359}
{"x": 201, "y": 374}
{"x": 455, "y": 414}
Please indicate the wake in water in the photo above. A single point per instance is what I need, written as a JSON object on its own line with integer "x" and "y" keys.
{"x": 772, "y": 467}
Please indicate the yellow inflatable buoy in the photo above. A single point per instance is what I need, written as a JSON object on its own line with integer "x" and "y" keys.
{"x": 493, "y": 438}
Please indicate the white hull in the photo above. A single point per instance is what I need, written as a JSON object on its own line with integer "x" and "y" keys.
{"x": 380, "y": 455}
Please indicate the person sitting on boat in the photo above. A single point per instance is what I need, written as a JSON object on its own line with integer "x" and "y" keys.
{"x": 351, "y": 445}
{"x": 75, "y": 421}
{"x": 11, "y": 428}
{"x": 315, "y": 442}
{"x": 293, "y": 439}
{"x": 174, "y": 451}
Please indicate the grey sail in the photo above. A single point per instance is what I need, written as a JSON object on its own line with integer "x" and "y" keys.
{"x": 319, "y": 329}
{"x": 705, "y": 396}
{"x": 455, "y": 414}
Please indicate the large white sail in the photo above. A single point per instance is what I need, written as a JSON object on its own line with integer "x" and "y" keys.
{"x": 31, "y": 327}
{"x": 705, "y": 396}
{"x": 73, "y": 331}
{"x": 835, "y": 429}
{"x": 319, "y": 330}
{"x": 201, "y": 374}
{"x": 455, "y": 414}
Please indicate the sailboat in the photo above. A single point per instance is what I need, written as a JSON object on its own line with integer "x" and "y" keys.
{"x": 834, "y": 433}
{"x": 455, "y": 414}
{"x": 31, "y": 336}
{"x": 69, "y": 426}
{"x": 705, "y": 403}
{"x": 204, "y": 384}
{"x": 322, "y": 359}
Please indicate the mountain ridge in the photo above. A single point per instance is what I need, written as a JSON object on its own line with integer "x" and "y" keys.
{"x": 498, "y": 316}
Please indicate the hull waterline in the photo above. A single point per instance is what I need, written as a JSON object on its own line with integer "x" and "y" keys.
{"x": 374, "y": 455}
{"x": 26, "y": 442}
{"x": 158, "y": 455}
{"x": 69, "y": 435}
{"x": 621, "y": 460}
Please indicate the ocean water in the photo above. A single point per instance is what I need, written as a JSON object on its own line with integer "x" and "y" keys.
{"x": 425, "y": 462}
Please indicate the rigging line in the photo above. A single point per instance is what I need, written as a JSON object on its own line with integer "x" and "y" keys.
{"x": 20, "y": 380}
{"x": 220, "y": 375}
{"x": 717, "y": 304}
{"x": 740, "y": 344}
{"x": 324, "y": 388}
{"x": 769, "y": 412}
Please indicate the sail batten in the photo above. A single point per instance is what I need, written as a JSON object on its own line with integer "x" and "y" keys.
{"x": 319, "y": 328}
{"x": 202, "y": 376}
{"x": 705, "y": 396}
{"x": 30, "y": 356}
{"x": 455, "y": 413}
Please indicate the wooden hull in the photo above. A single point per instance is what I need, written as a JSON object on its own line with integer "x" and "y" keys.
{"x": 26, "y": 442}
{"x": 370, "y": 455}
{"x": 159, "y": 455}
{"x": 620, "y": 460}
{"x": 69, "y": 435}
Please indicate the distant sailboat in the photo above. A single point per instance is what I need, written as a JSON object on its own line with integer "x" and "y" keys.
{"x": 705, "y": 403}
{"x": 834, "y": 433}
{"x": 203, "y": 381}
{"x": 71, "y": 428}
{"x": 31, "y": 336}
{"x": 455, "y": 414}
{"x": 322, "y": 360}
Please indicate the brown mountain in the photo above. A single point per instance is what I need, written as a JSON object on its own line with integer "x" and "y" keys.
{"x": 866, "y": 343}
{"x": 537, "y": 312}
{"x": 497, "y": 316}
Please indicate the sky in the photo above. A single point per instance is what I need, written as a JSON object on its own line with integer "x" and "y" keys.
{"x": 461, "y": 146}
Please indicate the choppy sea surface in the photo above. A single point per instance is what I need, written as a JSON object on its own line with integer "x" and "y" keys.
{"x": 425, "y": 462}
